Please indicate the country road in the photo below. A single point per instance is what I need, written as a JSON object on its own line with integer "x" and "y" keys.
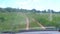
{"x": 39, "y": 24}
{"x": 28, "y": 23}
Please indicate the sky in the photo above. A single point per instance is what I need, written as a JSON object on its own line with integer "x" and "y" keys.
{"x": 32, "y": 4}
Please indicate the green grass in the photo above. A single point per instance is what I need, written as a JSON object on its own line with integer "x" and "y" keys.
{"x": 15, "y": 21}
{"x": 44, "y": 19}
{"x": 12, "y": 21}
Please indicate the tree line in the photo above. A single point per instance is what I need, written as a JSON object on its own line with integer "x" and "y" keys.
{"x": 8, "y": 9}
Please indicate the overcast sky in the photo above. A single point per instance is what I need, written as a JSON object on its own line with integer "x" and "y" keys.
{"x": 30, "y": 4}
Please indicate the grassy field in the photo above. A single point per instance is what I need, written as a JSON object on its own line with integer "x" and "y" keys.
{"x": 12, "y": 21}
{"x": 44, "y": 19}
{"x": 15, "y": 21}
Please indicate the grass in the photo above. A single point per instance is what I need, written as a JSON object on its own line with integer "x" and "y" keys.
{"x": 12, "y": 21}
{"x": 15, "y": 21}
{"x": 45, "y": 19}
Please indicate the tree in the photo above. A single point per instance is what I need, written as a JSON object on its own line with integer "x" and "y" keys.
{"x": 44, "y": 11}
{"x": 33, "y": 10}
{"x": 52, "y": 11}
{"x": 2, "y": 10}
{"x": 48, "y": 10}
{"x": 8, "y": 9}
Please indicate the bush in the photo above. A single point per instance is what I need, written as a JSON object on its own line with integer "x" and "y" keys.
{"x": 2, "y": 19}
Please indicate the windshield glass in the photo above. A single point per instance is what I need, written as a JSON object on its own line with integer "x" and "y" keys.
{"x": 18, "y": 15}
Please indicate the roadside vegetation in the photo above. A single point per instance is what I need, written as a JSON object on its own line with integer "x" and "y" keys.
{"x": 12, "y": 19}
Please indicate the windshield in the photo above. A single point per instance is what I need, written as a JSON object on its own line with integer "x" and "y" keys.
{"x": 20, "y": 15}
